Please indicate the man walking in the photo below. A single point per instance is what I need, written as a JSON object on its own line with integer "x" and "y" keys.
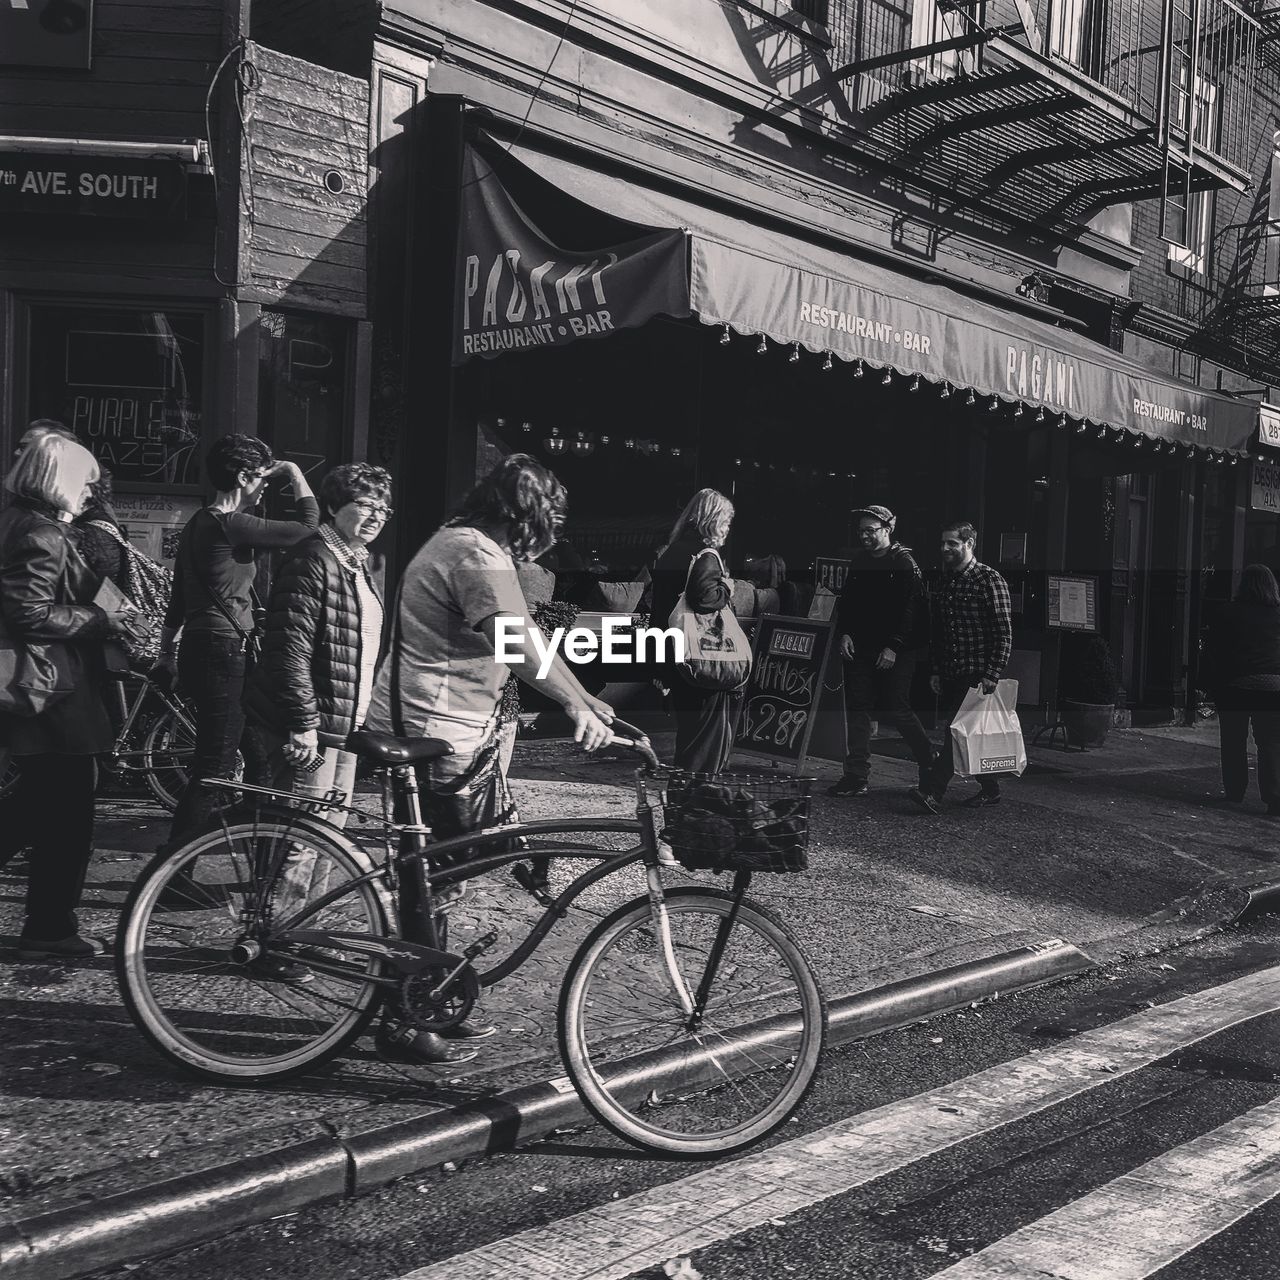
{"x": 972, "y": 641}
{"x": 878, "y": 616}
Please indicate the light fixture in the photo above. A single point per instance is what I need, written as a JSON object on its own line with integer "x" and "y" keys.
{"x": 724, "y": 337}
{"x": 526, "y": 427}
{"x": 794, "y": 357}
{"x": 857, "y": 368}
{"x": 971, "y": 398}
{"x": 604, "y": 439}
{"x": 582, "y": 446}
{"x": 675, "y": 450}
{"x": 737, "y": 462}
{"x": 826, "y": 362}
{"x": 1017, "y": 410}
{"x": 994, "y": 405}
{"x": 1080, "y": 427}
{"x": 629, "y": 443}
{"x": 763, "y": 347}
{"x": 500, "y": 423}
{"x": 555, "y": 442}
{"x": 914, "y": 384}
{"x": 945, "y": 392}
{"x": 1039, "y": 415}
{"x": 1102, "y": 433}
{"x": 887, "y": 379}
{"x": 1062, "y": 420}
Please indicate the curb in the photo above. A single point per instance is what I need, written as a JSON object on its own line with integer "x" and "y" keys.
{"x": 184, "y": 1211}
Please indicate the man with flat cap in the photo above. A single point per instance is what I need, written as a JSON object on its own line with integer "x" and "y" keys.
{"x": 880, "y": 618}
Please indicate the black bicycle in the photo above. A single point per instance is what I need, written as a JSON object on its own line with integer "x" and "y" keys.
{"x": 690, "y": 1020}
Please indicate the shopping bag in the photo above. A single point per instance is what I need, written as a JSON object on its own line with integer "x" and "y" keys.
{"x": 717, "y": 653}
{"x": 986, "y": 737}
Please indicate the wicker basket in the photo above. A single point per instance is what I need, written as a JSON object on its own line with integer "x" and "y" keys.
{"x": 734, "y": 821}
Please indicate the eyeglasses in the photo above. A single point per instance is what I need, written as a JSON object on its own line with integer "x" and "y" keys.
{"x": 871, "y": 529}
{"x": 373, "y": 508}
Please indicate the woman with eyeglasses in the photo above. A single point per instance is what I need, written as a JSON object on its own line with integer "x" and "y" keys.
{"x": 212, "y": 606}
{"x": 320, "y": 653}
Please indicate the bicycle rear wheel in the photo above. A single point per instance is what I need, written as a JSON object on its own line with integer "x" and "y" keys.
{"x": 280, "y": 1015}
{"x": 167, "y": 751}
{"x": 708, "y": 1090}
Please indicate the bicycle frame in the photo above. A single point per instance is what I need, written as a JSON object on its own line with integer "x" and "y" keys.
{"x": 120, "y": 752}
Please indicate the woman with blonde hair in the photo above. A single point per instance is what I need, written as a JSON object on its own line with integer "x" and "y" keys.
{"x": 46, "y": 594}
{"x": 706, "y": 719}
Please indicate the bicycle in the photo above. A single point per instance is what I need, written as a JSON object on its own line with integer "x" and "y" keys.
{"x": 155, "y": 739}
{"x": 689, "y": 1020}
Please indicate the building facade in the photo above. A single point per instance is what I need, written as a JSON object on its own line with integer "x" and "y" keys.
{"x": 943, "y": 257}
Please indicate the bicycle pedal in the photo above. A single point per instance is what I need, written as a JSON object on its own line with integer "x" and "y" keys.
{"x": 481, "y": 945}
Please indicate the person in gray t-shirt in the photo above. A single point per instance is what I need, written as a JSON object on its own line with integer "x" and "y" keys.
{"x": 447, "y": 680}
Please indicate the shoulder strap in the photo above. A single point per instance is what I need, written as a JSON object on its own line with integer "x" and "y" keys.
{"x": 693, "y": 559}
{"x": 113, "y": 531}
{"x": 208, "y": 586}
{"x": 393, "y": 657}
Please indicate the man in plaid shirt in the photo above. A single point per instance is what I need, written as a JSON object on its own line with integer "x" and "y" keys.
{"x": 972, "y": 641}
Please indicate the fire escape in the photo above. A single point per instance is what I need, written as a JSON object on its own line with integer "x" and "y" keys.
{"x": 1034, "y": 115}
{"x": 1238, "y": 316}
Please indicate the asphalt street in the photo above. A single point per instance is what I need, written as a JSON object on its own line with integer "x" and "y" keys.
{"x": 1129, "y": 1127}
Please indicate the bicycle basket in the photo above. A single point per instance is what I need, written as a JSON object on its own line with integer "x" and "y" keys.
{"x": 735, "y": 821}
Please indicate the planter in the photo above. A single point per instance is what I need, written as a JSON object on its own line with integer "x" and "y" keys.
{"x": 1086, "y": 722}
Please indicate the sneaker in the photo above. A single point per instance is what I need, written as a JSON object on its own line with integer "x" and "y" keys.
{"x": 848, "y": 787}
{"x": 74, "y": 947}
{"x": 981, "y": 800}
{"x": 398, "y": 1042}
{"x": 270, "y": 968}
{"x": 468, "y": 1030}
{"x": 922, "y": 798}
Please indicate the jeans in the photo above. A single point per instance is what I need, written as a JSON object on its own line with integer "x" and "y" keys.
{"x": 53, "y": 808}
{"x": 211, "y": 669}
{"x": 949, "y": 700}
{"x": 866, "y": 689}
{"x": 299, "y": 882}
{"x": 1233, "y": 730}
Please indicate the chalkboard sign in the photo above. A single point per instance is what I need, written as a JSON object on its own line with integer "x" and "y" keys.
{"x": 789, "y": 659}
{"x": 1072, "y": 602}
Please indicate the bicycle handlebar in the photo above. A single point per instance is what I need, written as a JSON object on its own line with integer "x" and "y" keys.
{"x": 635, "y": 740}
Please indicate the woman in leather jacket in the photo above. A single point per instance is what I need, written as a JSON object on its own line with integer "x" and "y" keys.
{"x": 46, "y": 594}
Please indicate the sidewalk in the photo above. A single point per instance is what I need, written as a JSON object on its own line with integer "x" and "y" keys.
{"x": 1115, "y": 850}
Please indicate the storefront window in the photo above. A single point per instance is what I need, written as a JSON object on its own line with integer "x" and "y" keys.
{"x": 128, "y": 381}
{"x": 302, "y": 388}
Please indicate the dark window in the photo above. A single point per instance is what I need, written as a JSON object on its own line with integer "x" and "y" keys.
{"x": 128, "y": 381}
{"x": 815, "y": 9}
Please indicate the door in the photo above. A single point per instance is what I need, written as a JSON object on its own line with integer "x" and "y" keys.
{"x": 1133, "y": 563}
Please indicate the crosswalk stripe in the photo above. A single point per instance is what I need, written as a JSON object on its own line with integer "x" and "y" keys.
{"x": 1144, "y": 1220}
{"x": 624, "y": 1236}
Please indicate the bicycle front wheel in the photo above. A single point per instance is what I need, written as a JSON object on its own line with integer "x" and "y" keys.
{"x": 692, "y": 1086}
{"x": 167, "y": 751}
{"x": 180, "y": 955}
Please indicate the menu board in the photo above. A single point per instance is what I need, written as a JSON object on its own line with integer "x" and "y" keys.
{"x": 789, "y": 657}
{"x": 152, "y": 522}
{"x": 1072, "y": 602}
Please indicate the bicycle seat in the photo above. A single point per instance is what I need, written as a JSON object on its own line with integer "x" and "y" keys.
{"x": 386, "y": 748}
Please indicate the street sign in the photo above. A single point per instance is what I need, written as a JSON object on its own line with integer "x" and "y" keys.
{"x": 101, "y": 186}
{"x": 1269, "y": 425}
{"x": 1264, "y": 492}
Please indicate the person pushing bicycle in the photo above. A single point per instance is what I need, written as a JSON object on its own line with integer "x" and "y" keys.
{"x": 443, "y": 679}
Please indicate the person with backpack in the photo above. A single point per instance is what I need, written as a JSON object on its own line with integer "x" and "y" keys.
{"x": 213, "y": 602}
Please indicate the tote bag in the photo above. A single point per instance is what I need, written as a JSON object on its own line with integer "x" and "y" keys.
{"x": 32, "y": 676}
{"x": 986, "y": 737}
{"x": 717, "y": 653}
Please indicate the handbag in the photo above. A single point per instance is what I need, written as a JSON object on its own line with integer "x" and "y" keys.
{"x": 33, "y": 677}
{"x": 149, "y": 586}
{"x": 986, "y": 736}
{"x": 717, "y": 653}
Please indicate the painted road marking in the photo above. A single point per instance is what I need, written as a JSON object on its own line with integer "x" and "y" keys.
{"x": 1146, "y": 1219}
{"x": 624, "y": 1236}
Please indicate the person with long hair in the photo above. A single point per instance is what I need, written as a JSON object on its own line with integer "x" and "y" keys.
{"x": 443, "y": 678}
{"x": 1243, "y": 652}
{"x": 46, "y": 601}
{"x": 706, "y": 719}
{"x": 212, "y": 606}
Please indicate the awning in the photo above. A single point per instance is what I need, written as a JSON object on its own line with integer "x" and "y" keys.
{"x": 519, "y": 288}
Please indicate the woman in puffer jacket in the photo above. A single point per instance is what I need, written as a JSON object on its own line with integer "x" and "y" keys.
{"x": 312, "y": 686}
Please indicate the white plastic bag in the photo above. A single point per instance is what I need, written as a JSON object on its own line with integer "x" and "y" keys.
{"x": 986, "y": 737}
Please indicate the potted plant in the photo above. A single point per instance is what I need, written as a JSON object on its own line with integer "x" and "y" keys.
{"x": 1087, "y": 695}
